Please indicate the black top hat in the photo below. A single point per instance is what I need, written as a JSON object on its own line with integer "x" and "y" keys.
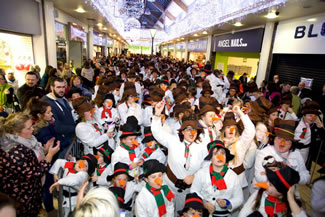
{"x": 120, "y": 168}
{"x": 119, "y": 195}
{"x": 283, "y": 178}
{"x": 107, "y": 152}
{"x": 92, "y": 163}
{"x": 130, "y": 128}
{"x": 165, "y": 80}
{"x": 152, "y": 166}
{"x": 146, "y": 100}
{"x": 111, "y": 97}
{"x": 147, "y": 135}
{"x": 218, "y": 144}
{"x": 193, "y": 201}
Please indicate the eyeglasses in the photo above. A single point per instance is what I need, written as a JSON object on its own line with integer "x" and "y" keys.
{"x": 189, "y": 129}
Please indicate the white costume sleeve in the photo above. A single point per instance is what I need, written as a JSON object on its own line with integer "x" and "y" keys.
{"x": 59, "y": 163}
{"x": 74, "y": 179}
{"x": 248, "y": 206}
{"x": 88, "y": 135}
{"x": 237, "y": 198}
{"x": 161, "y": 135}
{"x": 248, "y": 134}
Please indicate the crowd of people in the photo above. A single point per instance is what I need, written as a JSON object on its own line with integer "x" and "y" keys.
{"x": 158, "y": 138}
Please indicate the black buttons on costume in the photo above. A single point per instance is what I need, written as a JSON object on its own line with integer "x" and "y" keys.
{"x": 179, "y": 190}
{"x": 213, "y": 198}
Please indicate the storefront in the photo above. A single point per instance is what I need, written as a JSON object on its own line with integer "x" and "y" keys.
{"x": 109, "y": 43}
{"x": 77, "y": 45}
{"x": 299, "y": 52}
{"x": 133, "y": 49}
{"x": 171, "y": 53}
{"x": 238, "y": 52}
{"x": 180, "y": 51}
{"x": 61, "y": 42}
{"x": 197, "y": 51}
{"x": 164, "y": 51}
{"x": 98, "y": 45}
{"x": 16, "y": 54}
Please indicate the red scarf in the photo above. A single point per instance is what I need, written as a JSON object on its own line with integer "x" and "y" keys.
{"x": 273, "y": 205}
{"x": 108, "y": 111}
{"x": 217, "y": 178}
{"x": 100, "y": 169}
{"x": 70, "y": 166}
{"x": 148, "y": 151}
{"x": 131, "y": 151}
{"x": 159, "y": 197}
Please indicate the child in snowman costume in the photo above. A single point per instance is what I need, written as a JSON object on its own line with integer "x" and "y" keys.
{"x": 152, "y": 151}
{"x": 155, "y": 199}
{"x": 104, "y": 166}
{"x": 276, "y": 196}
{"x": 286, "y": 112}
{"x": 193, "y": 207}
{"x": 218, "y": 185}
{"x": 121, "y": 179}
{"x": 75, "y": 174}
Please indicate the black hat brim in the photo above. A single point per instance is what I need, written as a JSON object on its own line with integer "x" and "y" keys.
{"x": 147, "y": 139}
{"x": 109, "y": 178}
{"x": 229, "y": 156}
{"x": 159, "y": 168}
{"x": 133, "y": 134}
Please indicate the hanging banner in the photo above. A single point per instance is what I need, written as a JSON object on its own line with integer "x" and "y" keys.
{"x": 198, "y": 46}
{"x": 98, "y": 39}
{"x": 247, "y": 41}
{"x": 301, "y": 36}
{"x": 180, "y": 47}
{"x": 77, "y": 33}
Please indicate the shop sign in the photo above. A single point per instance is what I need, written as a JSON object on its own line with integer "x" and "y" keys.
{"x": 60, "y": 31}
{"x": 98, "y": 39}
{"x": 198, "y": 46}
{"x": 16, "y": 54}
{"x": 246, "y": 41}
{"x": 109, "y": 42}
{"x": 180, "y": 47}
{"x": 171, "y": 47}
{"x": 301, "y": 36}
{"x": 77, "y": 33}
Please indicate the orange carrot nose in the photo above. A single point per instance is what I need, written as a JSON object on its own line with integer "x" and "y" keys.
{"x": 216, "y": 118}
{"x": 158, "y": 181}
{"x": 245, "y": 108}
{"x": 282, "y": 143}
{"x": 263, "y": 185}
{"x": 195, "y": 215}
{"x": 163, "y": 118}
{"x": 121, "y": 182}
{"x": 92, "y": 111}
{"x": 268, "y": 133}
{"x": 96, "y": 156}
{"x": 221, "y": 158}
{"x": 109, "y": 103}
{"x": 135, "y": 142}
{"x": 314, "y": 118}
{"x": 232, "y": 129}
{"x": 149, "y": 143}
{"x": 193, "y": 132}
{"x": 136, "y": 98}
{"x": 150, "y": 102}
{"x": 81, "y": 164}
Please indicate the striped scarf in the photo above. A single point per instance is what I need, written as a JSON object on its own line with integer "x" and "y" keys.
{"x": 71, "y": 167}
{"x": 159, "y": 197}
{"x": 274, "y": 205}
{"x": 187, "y": 155}
{"x": 210, "y": 134}
{"x": 148, "y": 151}
{"x": 100, "y": 169}
{"x": 217, "y": 178}
{"x": 131, "y": 151}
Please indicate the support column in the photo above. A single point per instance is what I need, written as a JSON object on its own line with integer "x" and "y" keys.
{"x": 209, "y": 44}
{"x": 186, "y": 51}
{"x": 105, "y": 45}
{"x": 90, "y": 42}
{"x": 174, "y": 54}
{"x": 50, "y": 32}
{"x": 265, "y": 52}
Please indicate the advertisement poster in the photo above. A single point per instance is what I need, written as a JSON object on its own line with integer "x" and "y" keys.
{"x": 16, "y": 54}
{"x": 77, "y": 34}
{"x": 308, "y": 82}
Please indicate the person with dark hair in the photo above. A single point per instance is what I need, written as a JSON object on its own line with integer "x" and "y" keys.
{"x": 30, "y": 86}
{"x": 46, "y": 76}
{"x": 62, "y": 112}
{"x": 77, "y": 82}
{"x": 87, "y": 72}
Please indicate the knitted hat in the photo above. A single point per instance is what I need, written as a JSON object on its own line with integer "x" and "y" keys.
{"x": 92, "y": 163}
{"x": 81, "y": 105}
{"x": 229, "y": 119}
{"x": 189, "y": 119}
{"x": 311, "y": 107}
{"x": 120, "y": 168}
{"x": 218, "y": 144}
{"x": 147, "y": 135}
{"x": 284, "y": 128}
{"x": 107, "y": 152}
{"x": 193, "y": 201}
{"x": 129, "y": 89}
{"x": 130, "y": 128}
{"x": 252, "y": 87}
{"x": 283, "y": 178}
{"x": 156, "y": 94}
{"x": 205, "y": 104}
{"x": 179, "y": 95}
{"x": 151, "y": 167}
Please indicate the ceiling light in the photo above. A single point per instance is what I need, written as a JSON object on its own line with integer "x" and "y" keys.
{"x": 99, "y": 24}
{"x": 195, "y": 35}
{"x": 238, "y": 23}
{"x": 204, "y": 32}
{"x": 191, "y": 40}
{"x": 272, "y": 15}
{"x": 311, "y": 19}
{"x": 182, "y": 38}
{"x": 114, "y": 35}
{"x": 80, "y": 10}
